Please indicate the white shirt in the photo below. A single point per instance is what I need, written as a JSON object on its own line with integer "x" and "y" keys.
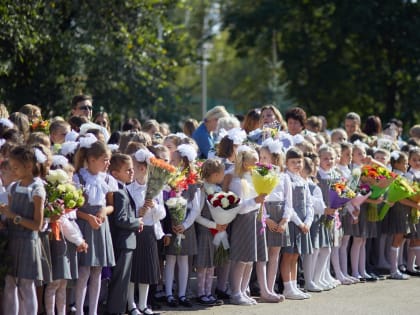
{"x": 153, "y": 215}
{"x": 308, "y": 201}
{"x": 283, "y": 192}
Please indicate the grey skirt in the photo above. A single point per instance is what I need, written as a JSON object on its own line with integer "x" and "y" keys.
{"x": 100, "y": 252}
{"x": 243, "y": 240}
{"x": 365, "y": 228}
{"x": 145, "y": 265}
{"x": 399, "y": 219}
{"x": 188, "y": 244}
{"x": 299, "y": 243}
{"x": 320, "y": 235}
{"x": 262, "y": 254}
{"x": 64, "y": 260}
{"x": 46, "y": 256}
{"x": 275, "y": 210}
{"x": 205, "y": 247}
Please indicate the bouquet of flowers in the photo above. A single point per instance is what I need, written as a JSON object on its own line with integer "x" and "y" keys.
{"x": 223, "y": 207}
{"x": 265, "y": 179}
{"x": 398, "y": 190}
{"x": 62, "y": 197}
{"x": 182, "y": 179}
{"x": 177, "y": 207}
{"x": 379, "y": 178}
{"x": 415, "y": 213}
{"x": 338, "y": 195}
{"x": 41, "y": 126}
{"x": 159, "y": 173}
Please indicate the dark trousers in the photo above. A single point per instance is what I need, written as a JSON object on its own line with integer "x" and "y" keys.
{"x": 120, "y": 279}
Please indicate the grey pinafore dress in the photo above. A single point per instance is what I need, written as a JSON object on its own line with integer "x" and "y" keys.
{"x": 101, "y": 251}
{"x": 299, "y": 243}
{"x": 275, "y": 211}
{"x": 24, "y": 245}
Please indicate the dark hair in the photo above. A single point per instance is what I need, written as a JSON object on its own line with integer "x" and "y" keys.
{"x": 296, "y": 113}
{"x": 96, "y": 150}
{"x": 13, "y": 135}
{"x": 373, "y": 125}
{"x": 24, "y": 154}
{"x": 114, "y": 138}
{"x": 401, "y": 156}
{"x": 294, "y": 153}
{"x": 80, "y": 98}
{"x": 131, "y": 124}
{"x": 225, "y": 147}
{"x": 76, "y": 121}
{"x": 117, "y": 161}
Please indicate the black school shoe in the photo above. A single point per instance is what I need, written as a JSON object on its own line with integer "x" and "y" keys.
{"x": 184, "y": 301}
{"x": 413, "y": 273}
{"x": 171, "y": 301}
{"x": 222, "y": 295}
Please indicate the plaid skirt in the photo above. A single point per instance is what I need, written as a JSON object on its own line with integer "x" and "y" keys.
{"x": 188, "y": 244}
{"x": 275, "y": 210}
{"x": 205, "y": 248}
{"x": 243, "y": 244}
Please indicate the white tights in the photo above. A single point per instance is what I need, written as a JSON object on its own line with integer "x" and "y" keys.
{"x": 93, "y": 274}
{"x": 182, "y": 274}
{"x": 55, "y": 296}
{"x": 19, "y": 296}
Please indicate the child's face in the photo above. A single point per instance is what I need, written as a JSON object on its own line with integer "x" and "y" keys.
{"x": 350, "y": 126}
{"x": 20, "y": 170}
{"x": 345, "y": 158}
{"x": 338, "y": 137}
{"x": 401, "y": 165}
{"x": 327, "y": 161}
{"x": 358, "y": 156}
{"x": 126, "y": 172}
{"x": 216, "y": 178}
{"x": 294, "y": 165}
{"x": 381, "y": 157}
{"x": 175, "y": 159}
{"x": 414, "y": 161}
{"x": 59, "y": 135}
{"x": 170, "y": 145}
{"x": 164, "y": 155}
{"x": 265, "y": 156}
{"x": 249, "y": 164}
{"x": 100, "y": 164}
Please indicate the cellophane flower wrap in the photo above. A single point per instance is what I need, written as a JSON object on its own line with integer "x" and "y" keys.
{"x": 338, "y": 195}
{"x": 415, "y": 213}
{"x": 177, "y": 207}
{"x": 159, "y": 174}
{"x": 265, "y": 179}
{"x": 379, "y": 179}
{"x": 399, "y": 189}
{"x": 62, "y": 197}
{"x": 223, "y": 208}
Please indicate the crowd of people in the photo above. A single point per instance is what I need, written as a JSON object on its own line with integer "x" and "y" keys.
{"x": 119, "y": 249}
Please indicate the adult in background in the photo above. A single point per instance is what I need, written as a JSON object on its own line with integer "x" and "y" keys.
{"x": 295, "y": 120}
{"x": 81, "y": 105}
{"x": 203, "y": 135}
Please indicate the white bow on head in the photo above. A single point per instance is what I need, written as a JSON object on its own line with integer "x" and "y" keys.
{"x": 59, "y": 160}
{"x": 40, "y": 157}
{"x": 87, "y": 140}
{"x": 188, "y": 151}
{"x": 274, "y": 146}
{"x": 143, "y": 155}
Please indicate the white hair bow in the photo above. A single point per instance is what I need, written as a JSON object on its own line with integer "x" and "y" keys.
{"x": 143, "y": 155}
{"x": 71, "y": 136}
{"x": 188, "y": 151}
{"x": 113, "y": 147}
{"x": 40, "y": 157}
{"x": 87, "y": 140}
{"x": 298, "y": 139}
{"x": 6, "y": 122}
{"x": 395, "y": 155}
{"x": 59, "y": 160}
{"x": 274, "y": 146}
{"x": 243, "y": 148}
{"x": 69, "y": 147}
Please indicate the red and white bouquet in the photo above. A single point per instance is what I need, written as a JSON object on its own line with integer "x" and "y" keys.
{"x": 223, "y": 207}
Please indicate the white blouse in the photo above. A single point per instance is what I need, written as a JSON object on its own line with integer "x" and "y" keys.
{"x": 96, "y": 186}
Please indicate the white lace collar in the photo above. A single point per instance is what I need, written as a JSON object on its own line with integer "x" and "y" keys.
{"x": 95, "y": 187}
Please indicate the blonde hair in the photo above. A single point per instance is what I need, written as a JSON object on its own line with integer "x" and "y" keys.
{"x": 244, "y": 156}
{"x": 216, "y": 112}
{"x": 210, "y": 167}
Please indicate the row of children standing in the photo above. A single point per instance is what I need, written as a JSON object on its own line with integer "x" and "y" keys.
{"x": 297, "y": 210}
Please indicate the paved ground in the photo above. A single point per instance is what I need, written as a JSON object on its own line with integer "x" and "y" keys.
{"x": 383, "y": 298}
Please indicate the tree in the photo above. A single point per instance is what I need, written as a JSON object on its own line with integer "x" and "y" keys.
{"x": 338, "y": 55}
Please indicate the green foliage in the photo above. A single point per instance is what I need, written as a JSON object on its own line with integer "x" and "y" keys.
{"x": 338, "y": 55}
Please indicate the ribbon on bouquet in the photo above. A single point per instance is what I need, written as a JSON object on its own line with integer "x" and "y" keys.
{"x": 179, "y": 238}
{"x": 221, "y": 238}
{"x": 264, "y": 217}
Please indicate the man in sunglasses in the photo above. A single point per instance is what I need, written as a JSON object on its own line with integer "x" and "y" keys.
{"x": 82, "y": 106}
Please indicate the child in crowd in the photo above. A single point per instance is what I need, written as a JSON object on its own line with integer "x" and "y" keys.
{"x": 299, "y": 227}
{"x": 92, "y": 161}
{"x": 24, "y": 214}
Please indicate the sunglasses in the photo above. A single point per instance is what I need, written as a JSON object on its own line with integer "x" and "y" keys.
{"x": 86, "y": 107}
